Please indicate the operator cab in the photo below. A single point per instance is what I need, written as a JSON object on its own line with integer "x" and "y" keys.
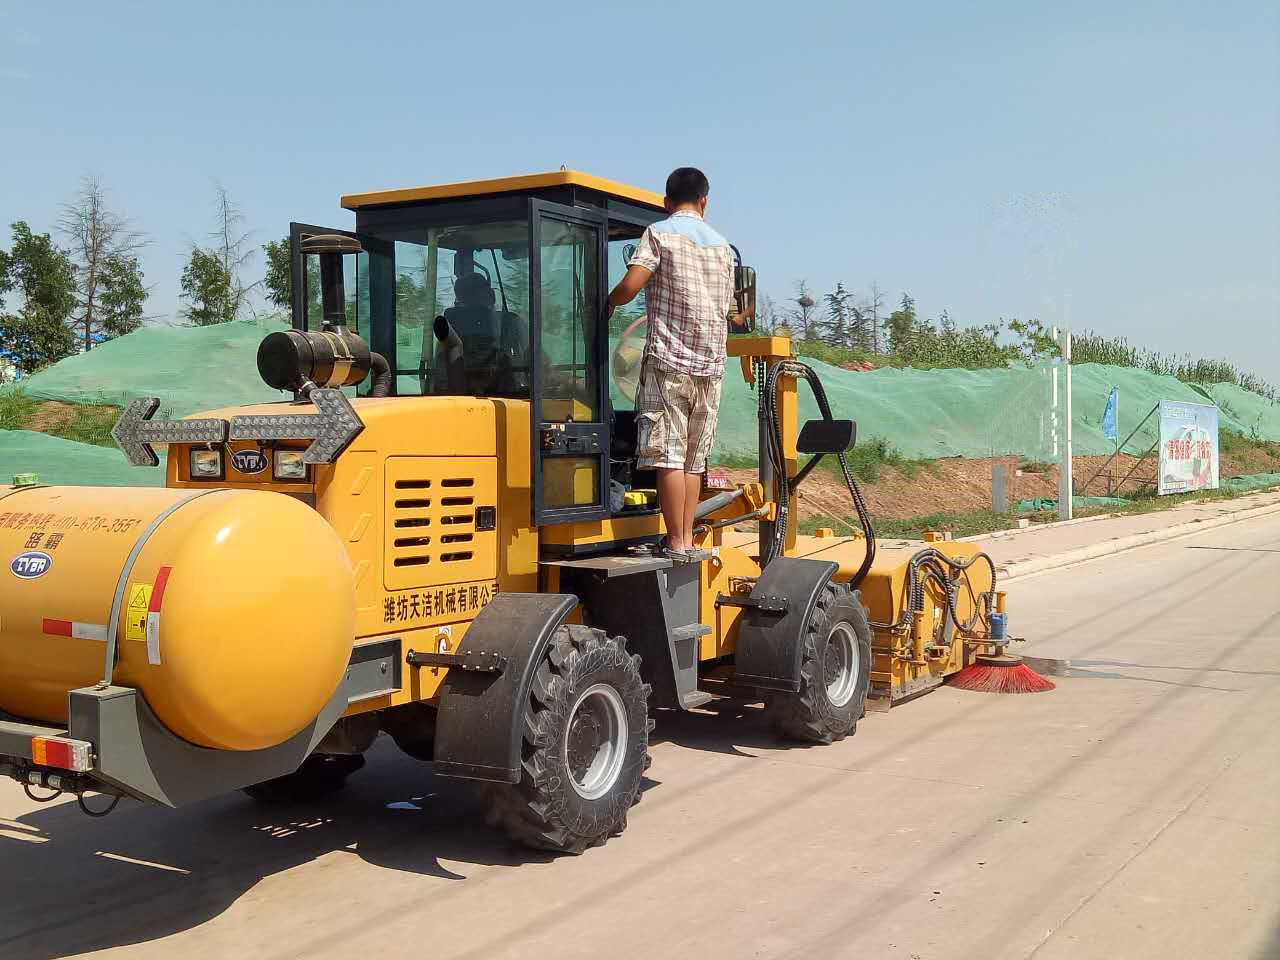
{"x": 496, "y": 288}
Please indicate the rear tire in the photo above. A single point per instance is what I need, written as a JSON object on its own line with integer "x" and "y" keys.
{"x": 835, "y": 672}
{"x": 319, "y": 776}
{"x": 585, "y": 746}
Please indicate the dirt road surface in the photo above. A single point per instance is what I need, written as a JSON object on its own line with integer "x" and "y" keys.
{"x": 1133, "y": 812}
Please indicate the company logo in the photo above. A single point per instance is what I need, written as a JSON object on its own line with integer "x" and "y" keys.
{"x": 249, "y": 461}
{"x": 29, "y": 565}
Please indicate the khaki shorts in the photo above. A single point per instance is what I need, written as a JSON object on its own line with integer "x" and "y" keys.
{"x": 676, "y": 416}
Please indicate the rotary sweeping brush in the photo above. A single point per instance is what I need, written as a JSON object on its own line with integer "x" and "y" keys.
{"x": 1000, "y": 674}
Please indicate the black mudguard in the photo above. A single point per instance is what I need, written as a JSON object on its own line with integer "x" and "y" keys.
{"x": 479, "y": 723}
{"x": 770, "y": 645}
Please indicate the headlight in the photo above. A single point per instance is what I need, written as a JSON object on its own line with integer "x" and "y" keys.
{"x": 206, "y": 464}
{"x": 289, "y": 465}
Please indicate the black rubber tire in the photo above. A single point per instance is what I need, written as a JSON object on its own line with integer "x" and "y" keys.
{"x": 318, "y": 777}
{"x": 809, "y": 714}
{"x": 543, "y": 810}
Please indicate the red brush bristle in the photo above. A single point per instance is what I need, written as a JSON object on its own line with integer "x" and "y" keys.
{"x": 988, "y": 678}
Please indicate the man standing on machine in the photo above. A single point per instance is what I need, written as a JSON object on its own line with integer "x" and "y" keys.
{"x": 686, "y": 269}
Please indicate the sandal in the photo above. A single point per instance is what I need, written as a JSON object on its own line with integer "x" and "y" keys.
{"x": 664, "y": 549}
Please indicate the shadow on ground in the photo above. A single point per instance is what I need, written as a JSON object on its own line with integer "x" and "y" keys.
{"x": 70, "y": 884}
{"x": 146, "y": 873}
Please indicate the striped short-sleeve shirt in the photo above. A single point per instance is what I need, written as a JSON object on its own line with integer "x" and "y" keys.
{"x": 689, "y": 295}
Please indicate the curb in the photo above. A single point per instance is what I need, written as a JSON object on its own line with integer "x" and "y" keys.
{"x": 1015, "y": 531}
{"x": 1017, "y": 570}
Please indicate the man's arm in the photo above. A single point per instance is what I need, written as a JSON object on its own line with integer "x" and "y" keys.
{"x": 630, "y": 285}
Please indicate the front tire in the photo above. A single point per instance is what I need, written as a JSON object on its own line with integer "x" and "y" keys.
{"x": 835, "y": 672}
{"x": 585, "y": 746}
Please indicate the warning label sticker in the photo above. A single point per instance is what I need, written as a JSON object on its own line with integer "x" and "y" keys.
{"x": 135, "y": 625}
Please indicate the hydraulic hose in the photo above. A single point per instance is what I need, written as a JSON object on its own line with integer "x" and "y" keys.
{"x": 929, "y": 562}
{"x": 934, "y": 565}
{"x": 774, "y": 546}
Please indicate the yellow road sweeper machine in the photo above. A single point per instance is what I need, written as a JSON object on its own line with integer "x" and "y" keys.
{"x": 440, "y": 533}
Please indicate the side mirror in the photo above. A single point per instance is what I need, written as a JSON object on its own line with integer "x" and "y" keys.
{"x": 826, "y": 436}
{"x": 743, "y": 319}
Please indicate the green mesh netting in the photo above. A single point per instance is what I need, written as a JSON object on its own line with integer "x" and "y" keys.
{"x": 924, "y": 414}
{"x": 188, "y": 368}
{"x": 1254, "y": 481}
{"x": 950, "y": 413}
{"x": 58, "y": 461}
{"x": 1040, "y": 504}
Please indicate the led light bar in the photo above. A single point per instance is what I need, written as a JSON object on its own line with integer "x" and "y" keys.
{"x": 136, "y": 433}
{"x": 331, "y": 430}
{"x": 63, "y": 753}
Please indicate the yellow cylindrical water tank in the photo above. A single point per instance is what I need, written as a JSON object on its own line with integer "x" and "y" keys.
{"x": 236, "y": 608}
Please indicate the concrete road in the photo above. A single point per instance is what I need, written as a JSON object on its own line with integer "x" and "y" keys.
{"x": 1133, "y": 812}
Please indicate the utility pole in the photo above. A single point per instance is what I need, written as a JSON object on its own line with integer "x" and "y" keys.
{"x": 1062, "y": 424}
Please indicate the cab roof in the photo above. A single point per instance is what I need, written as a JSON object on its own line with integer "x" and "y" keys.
{"x": 521, "y": 184}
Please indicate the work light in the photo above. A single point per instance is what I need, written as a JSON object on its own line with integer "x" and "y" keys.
{"x": 206, "y": 464}
{"x": 289, "y": 465}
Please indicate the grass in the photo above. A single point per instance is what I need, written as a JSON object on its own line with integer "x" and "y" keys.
{"x": 1231, "y": 443}
{"x": 83, "y": 424}
{"x": 16, "y": 409}
{"x": 867, "y": 460}
{"x": 1090, "y": 347}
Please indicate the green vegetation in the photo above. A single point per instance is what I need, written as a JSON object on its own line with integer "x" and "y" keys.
{"x": 36, "y": 333}
{"x": 15, "y": 409}
{"x": 866, "y": 460}
{"x": 83, "y": 424}
{"x": 840, "y": 329}
{"x": 88, "y": 425}
{"x": 869, "y": 457}
{"x": 1231, "y": 443}
{"x": 1090, "y": 347}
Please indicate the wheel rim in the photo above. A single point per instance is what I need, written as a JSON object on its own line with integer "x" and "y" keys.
{"x": 840, "y": 666}
{"x": 595, "y": 742}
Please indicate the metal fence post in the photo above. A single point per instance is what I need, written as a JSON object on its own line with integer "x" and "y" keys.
{"x": 1065, "y": 487}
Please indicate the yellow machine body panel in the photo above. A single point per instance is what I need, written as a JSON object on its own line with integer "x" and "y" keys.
{"x": 236, "y": 617}
{"x": 527, "y": 182}
{"x": 403, "y": 501}
{"x": 914, "y": 655}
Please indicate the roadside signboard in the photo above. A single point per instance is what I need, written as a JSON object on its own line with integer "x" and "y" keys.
{"x": 1188, "y": 447}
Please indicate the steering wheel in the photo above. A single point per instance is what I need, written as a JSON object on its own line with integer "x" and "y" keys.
{"x": 628, "y": 354}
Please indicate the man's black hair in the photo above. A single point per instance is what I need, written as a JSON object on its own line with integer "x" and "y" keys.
{"x": 687, "y": 185}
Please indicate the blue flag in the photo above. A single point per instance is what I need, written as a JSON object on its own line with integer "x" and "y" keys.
{"x": 1109, "y": 415}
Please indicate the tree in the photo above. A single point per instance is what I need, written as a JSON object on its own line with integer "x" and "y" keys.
{"x": 901, "y": 325}
{"x": 230, "y": 246}
{"x": 837, "y": 317}
{"x": 122, "y": 296}
{"x": 767, "y": 319}
{"x": 945, "y": 324}
{"x": 207, "y": 287}
{"x": 36, "y": 334}
{"x": 102, "y": 241}
{"x": 804, "y": 318}
{"x": 873, "y": 306}
{"x": 279, "y": 276}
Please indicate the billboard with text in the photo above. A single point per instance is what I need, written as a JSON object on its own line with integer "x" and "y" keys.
{"x": 1188, "y": 457}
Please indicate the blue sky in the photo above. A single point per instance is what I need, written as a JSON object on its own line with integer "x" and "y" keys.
{"x": 1103, "y": 165}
